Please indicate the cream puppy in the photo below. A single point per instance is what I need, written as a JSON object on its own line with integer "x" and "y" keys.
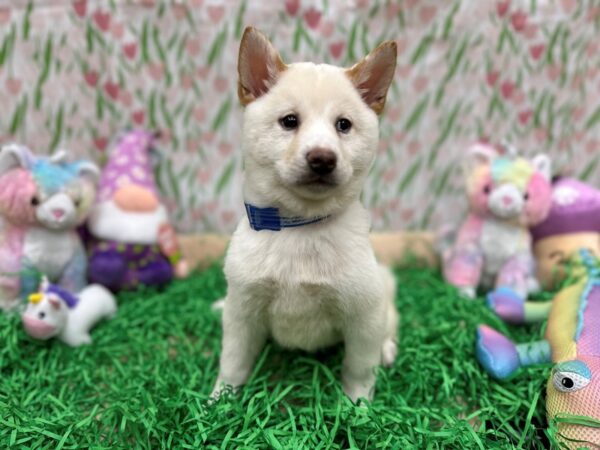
{"x": 300, "y": 268}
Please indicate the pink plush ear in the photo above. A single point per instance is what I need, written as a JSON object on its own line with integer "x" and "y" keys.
{"x": 13, "y": 156}
{"x": 54, "y": 303}
{"x": 542, "y": 164}
{"x": 259, "y": 66}
{"x": 373, "y": 75}
{"x": 479, "y": 154}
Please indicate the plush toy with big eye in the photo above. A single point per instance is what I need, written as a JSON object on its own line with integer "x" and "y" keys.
{"x": 572, "y": 343}
{"x": 42, "y": 201}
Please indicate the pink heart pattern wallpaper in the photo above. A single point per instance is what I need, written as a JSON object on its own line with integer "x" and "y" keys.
{"x": 74, "y": 74}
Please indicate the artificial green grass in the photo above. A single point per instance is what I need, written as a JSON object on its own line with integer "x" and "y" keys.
{"x": 145, "y": 381}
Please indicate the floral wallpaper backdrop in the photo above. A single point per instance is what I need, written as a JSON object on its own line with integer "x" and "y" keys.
{"x": 74, "y": 74}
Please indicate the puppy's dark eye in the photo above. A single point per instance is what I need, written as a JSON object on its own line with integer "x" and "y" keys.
{"x": 42, "y": 315}
{"x": 343, "y": 125}
{"x": 289, "y": 122}
{"x": 35, "y": 201}
{"x": 526, "y": 196}
{"x": 486, "y": 189}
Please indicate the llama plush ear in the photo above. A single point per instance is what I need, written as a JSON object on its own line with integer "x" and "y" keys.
{"x": 13, "y": 156}
{"x": 542, "y": 164}
{"x": 373, "y": 75}
{"x": 259, "y": 66}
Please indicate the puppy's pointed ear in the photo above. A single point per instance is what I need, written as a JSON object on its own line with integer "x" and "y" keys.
{"x": 259, "y": 66}
{"x": 373, "y": 75}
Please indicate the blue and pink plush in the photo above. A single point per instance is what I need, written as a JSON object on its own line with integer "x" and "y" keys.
{"x": 42, "y": 201}
{"x": 133, "y": 242}
{"x": 507, "y": 194}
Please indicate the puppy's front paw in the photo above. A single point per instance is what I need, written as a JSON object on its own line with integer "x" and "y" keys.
{"x": 467, "y": 292}
{"x": 356, "y": 389}
{"x": 389, "y": 351}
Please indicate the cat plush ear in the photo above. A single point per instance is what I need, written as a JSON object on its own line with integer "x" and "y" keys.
{"x": 543, "y": 165}
{"x": 259, "y": 66}
{"x": 90, "y": 170}
{"x": 13, "y": 156}
{"x": 478, "y": 155}
{"x": 373, "y": 75}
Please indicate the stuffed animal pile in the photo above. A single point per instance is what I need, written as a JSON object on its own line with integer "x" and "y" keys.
{"x": 42, "y": 201}
{"x": 569, "y": 237}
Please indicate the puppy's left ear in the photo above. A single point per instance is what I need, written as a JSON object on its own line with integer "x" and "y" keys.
{"x": 259, "y": 66}
{"x": 373, "y": 75}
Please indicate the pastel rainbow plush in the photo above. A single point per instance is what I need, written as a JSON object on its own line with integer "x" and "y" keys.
{"x": 507, "y": 194}
{"x": 572, "y": 343}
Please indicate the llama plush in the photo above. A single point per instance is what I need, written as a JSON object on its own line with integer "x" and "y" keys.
{"x": 572, "y": 344}
{"x": 54, "y": 311}
{"x": 507, "y": 194}
{"x": 42, "y": 201}
{"x": 133, "y": 241}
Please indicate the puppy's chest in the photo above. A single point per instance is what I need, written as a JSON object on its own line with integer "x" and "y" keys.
{"x": 304, "y": 316}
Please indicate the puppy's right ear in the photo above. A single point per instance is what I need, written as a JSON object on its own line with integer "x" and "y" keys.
{"x": 259, "y": 66}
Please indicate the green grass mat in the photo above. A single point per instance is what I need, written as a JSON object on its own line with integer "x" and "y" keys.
{"x": 144, "y": 383}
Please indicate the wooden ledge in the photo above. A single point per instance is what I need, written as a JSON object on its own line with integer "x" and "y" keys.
{"x": 392, "y": 248}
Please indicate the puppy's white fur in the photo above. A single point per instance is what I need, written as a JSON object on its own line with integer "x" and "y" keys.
{"x": 317, "y": 285}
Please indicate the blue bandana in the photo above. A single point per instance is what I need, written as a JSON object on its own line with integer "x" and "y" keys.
{"x": 269, "y": 219}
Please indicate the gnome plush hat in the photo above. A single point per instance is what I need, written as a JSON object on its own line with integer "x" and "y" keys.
{"x": 128, "y": 208}
{"x": 127, "y": 178}
{"x": 575, "y": 209}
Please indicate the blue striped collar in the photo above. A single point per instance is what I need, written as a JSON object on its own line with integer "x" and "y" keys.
{"x": 269, "y": 219}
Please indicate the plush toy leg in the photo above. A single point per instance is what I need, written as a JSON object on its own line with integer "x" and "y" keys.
{"x": 463, "y": 270}
{"x": 108, "y": 268}
{"x": 517, "y": 274}
{"x": 514, "y": 309}
{"x": 74, "y": 276}
{"x": 157, "y": 273}
{"x": 501, "y": 358}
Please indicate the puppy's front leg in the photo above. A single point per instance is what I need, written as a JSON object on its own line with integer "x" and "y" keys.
{"x": 363, "y": 342}
{"x": 244, "y": 335}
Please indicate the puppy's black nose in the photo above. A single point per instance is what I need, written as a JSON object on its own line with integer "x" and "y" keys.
{"x": 321, "y": 161}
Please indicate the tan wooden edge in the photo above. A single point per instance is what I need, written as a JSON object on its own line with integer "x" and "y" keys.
{"x": 392, "y": 248}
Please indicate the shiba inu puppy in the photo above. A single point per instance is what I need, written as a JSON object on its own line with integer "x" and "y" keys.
{"x": 300, "y": 268}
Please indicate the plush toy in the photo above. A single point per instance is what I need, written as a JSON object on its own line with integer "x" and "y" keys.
{"x": 54, "y": 311}
{"x": 573, "y": 223}
{"x": 42, "y": 201}
{"x": 133, "y": 241}
{"x": 507, "y": 194}
{"x": 573, "y": 344}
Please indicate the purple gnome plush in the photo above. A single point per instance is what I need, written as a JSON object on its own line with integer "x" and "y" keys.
{"x": 133, "y": 242}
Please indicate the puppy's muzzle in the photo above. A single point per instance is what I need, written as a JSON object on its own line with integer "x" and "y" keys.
{"x": 321, "y": 161}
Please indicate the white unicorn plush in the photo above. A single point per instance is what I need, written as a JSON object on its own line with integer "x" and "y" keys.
{"x": 54, "y": 311}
